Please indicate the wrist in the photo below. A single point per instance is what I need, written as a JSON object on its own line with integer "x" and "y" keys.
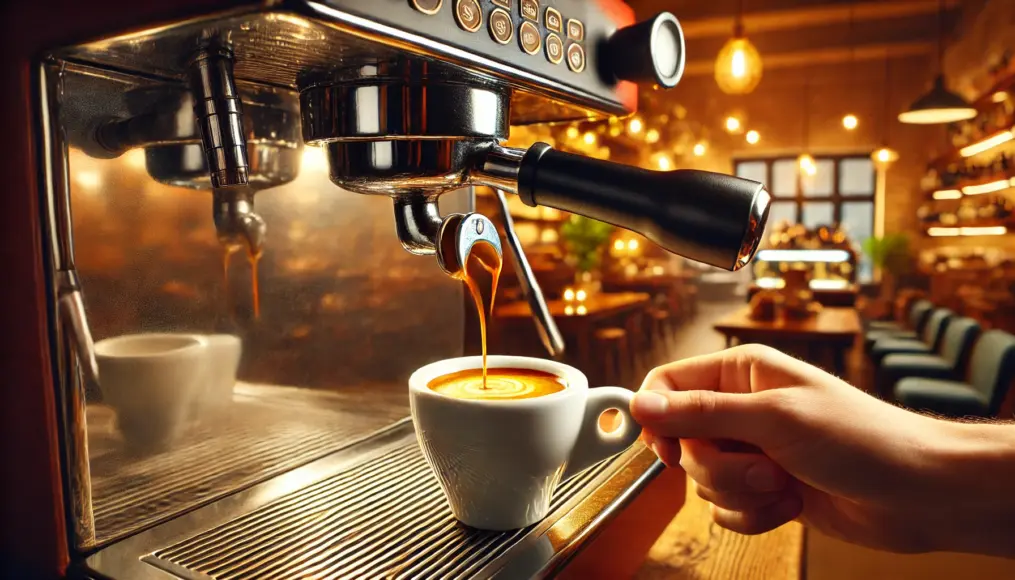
{"x": 975, "y": 463}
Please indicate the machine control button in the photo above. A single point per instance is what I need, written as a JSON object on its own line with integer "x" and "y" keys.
{"x": 530, "y": 9}
{"x": 553, "y": 20}
{"x": 554, "y": 48}
{"x": 501, "y": 28}
{"x": 575, "y": 30}
{"x": 468, "y": 14}
{"x": 528, "y": 37}
{"x": 503, "y": 3}
{"x": 576, "y": 57}
{"x": 427, "y": 6}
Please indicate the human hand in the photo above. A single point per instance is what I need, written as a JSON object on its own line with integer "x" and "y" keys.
{"x": 768, "y": 439}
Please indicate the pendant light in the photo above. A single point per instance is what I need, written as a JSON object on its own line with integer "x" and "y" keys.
{"x": 849, "y": 120}
{"x": 939, "y": 105}
{"x": 806, "y": 166}
{"x": 884, "y": 156}
{"x": 738, "y": 66}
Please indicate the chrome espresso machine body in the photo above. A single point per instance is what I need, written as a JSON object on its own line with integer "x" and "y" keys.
{"x": 256, "y": 111}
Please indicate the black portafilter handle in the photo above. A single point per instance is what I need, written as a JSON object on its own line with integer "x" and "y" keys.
{"x": 708, "y": 217}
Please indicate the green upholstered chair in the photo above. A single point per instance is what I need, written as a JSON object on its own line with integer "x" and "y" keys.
{"x": 991, "y": 371}
{"x": 955, "y": 346}
{"x": 928, "y": 343}
{"x": 919, "y": 312}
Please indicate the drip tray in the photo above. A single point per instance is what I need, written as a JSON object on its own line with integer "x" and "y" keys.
{"x": 379, "y": 515}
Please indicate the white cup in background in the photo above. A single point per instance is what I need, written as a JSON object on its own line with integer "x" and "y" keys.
{"x": 500, "y": 461}
{"x": 224, "y": 352}
{"x": 151, "y": 380}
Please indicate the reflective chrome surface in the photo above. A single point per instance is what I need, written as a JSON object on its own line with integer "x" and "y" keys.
{"x": 755, "y": 228}
{"x": 219, "y": 115}
{"x": 235, "y": 220}
{"x": 426, "y": 167}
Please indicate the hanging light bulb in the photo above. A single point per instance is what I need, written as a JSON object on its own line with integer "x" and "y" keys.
{"x": 652, "y": 136}
{"x": 807, "y": 165}
{"x": 700, "y": 148}
{"x": 884, "y": 157}
{"x": 850, "y": 122}
{"x": 753, "y": 137}
{"x": 635, "y": 126}
{"x": 738, "y": 67}
{"x": 940, "y": 105}
{"x": 733, "y": 124}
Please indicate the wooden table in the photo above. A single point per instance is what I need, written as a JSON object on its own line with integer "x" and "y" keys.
{"x": 694, "y": 548}
{"x": 831, "y": 297}
{"x": 832, "y": 332}
{"x": 575, "y": 323}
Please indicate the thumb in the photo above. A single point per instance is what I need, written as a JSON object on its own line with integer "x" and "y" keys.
{"x": 747, "y": 417}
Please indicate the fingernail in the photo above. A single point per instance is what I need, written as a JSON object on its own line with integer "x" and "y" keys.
{"x": 649, "y": 403}
{"x": 765, "y": 478}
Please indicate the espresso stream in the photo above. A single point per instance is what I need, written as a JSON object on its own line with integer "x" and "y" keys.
{"x": 254, "y": 259}
{"x": 483, "y": 263}
{"x": 500, "y": 384}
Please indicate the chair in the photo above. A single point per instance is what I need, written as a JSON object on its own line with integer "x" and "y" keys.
{"x": 929, "y": 342}
{"x": 991, "y": 371}
{"x": 918, "y": 315}
{"x": 958, "y": 341}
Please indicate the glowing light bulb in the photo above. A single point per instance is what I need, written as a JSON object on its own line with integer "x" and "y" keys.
{"x": 738, "y": 63}
{"x": 618, "y": 245}
{"x": 732, "y": 124}
{"x": 850, "y": 122}
{"x": 581, "y": 295}
{"x": 651, "y": 136}
{"x": 635, "y": 126}
{"x": 807, "y": 165}
{"x": 700, "y": 149}
{"x": 753, "y": 137}
{"x": 884, "y": 157}
{"x": 572, "y": 132}
{"x": 582, "y": 311}
{"x": 664, "y": 163}
{"x": 632, "y": 245}
{"x": 568, "y": 294}
{"x": 589, "y": 138}
{"x": 738, "y": 67}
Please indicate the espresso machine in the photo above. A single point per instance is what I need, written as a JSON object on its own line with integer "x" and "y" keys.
{"x": 291, "y": 121}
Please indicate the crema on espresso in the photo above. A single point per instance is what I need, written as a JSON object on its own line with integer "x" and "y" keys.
{"x": 501, "y": 384}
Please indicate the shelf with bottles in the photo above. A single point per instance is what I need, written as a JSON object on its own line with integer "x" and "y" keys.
{"x": 990, "y": 216}
{"x": 992, "y": 127}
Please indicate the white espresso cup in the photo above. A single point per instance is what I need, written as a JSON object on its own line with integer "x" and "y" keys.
{"x": 499, "y": 461}
{"x": 224, "y": 352}
{"x": 151, "y": 380}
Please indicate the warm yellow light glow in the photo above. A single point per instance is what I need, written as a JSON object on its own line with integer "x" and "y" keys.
{"x": 947, "y": 194}
{"x": 664, "y": 163}
{"x": 632, "y": 245}
{"x": 582, "y": 311}
{"x": 589, "y": 138}
{"x": 942, "y": 232}
{"x": 770, "y": 283}
{"x": 615, "y": 131}
{"x": 314, "y": 159}
{"x": 569, "y": 310}
{"x": 820, "y": 256}
{"x": 700, "y": 149}
{"x": 634, "y": 126}
{"x": 986, "y": 187}
{"x": 753, "y": 137}
{"x": 135, "y": 158}
{"x": 572, "y": 132}
{"x": 999, "y": 97}
{"x": 90, "y": 180}
{"x": 987, "y": 144}
{"x": 884, "y": 157}
{"x": 807, "y": 165}
{"x": 984, "y": 231}
{"x": 850, "y": 122}
{"x": 732, "y": 124}
{"x": 618, "y": 245}
{"x": 738, "y": 67}
{"x": 652, "y": 136}
{"x": 581, "y": 295}
{"x": 828, "y": 284}
{"x": 568, "y": 294}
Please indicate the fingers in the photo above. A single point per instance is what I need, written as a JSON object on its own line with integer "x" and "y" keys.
{"x": 739, "y": 501}
{"x": 756, "y": 419}
{"x": 668, "y": 450}
{"x": 726, "y": 472}
{"x": 759, "y": 520}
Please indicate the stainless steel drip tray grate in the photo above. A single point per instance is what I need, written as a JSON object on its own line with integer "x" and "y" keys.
{"x": 383, "y": 518}
{"x": 266, "y": 431}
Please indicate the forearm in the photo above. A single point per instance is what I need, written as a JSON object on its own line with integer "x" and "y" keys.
{"x": 977, "y": 466}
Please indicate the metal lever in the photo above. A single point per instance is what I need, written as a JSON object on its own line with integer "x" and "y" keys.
{"x": 549, "y": 334}
{"x": 71, "y": 309}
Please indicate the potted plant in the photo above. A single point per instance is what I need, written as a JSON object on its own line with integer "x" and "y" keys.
{"x": 890, "y": 254}
{"x": 584, "y": 239}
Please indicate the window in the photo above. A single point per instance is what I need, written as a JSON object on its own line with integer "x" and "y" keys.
{"x": 841, "y": 192}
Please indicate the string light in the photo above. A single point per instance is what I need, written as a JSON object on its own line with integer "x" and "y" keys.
{"x": 732, "y": 124}
{"x": 635, "y": 126}
{"x": 664, "y": 163}
{"x": 652, "y": 136}
{"x": 589, "y": 138}
{"x": 850, "y": 122}
{"x": 572, "y": 132}
{"x": 753, "y": 137}
{"x": 699, "y": 149}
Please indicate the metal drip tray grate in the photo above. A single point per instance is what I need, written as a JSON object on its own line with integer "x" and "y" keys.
{"x": 385, "y": 518}
{"x": 268, "y": 430}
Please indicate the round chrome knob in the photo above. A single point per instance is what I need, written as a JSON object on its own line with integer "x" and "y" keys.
{"x": 651, "y": 51}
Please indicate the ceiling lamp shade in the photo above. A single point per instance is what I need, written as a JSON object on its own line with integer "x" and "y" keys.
{"x": 938, "y": 106}
{"x": 738, "y": 67}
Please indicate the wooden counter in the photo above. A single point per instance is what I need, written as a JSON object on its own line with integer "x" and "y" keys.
{"x": 694, "y": 548}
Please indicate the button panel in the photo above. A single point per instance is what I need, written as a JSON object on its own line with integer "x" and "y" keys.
{"x": 503, "y": 3}
{"x": 575, "y": 57}
{"x": 554, "y": 48}
{"x": 530, "y": 9}
{"x": 575, "y": 30}
{"x": 468, "y": 14}
{"x": 427, "y": 6}
{"x": 554, "y": 21}
{"x": 502, "y": 29}
{"x": 528, "y": 37}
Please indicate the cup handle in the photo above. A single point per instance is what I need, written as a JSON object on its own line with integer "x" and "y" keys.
{"x": 593, "y": 443}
